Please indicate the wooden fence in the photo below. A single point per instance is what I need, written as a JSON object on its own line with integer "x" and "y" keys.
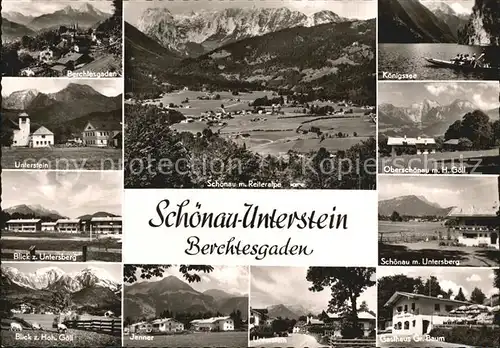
{"x": 111, "y": 326}
{"x": 356, "y": 343}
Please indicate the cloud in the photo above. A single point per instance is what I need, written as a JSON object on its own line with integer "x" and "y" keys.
{"x": 491, "y": 276}
{"x": 484, "y": 104}
{"x": 437, "y": 89}
{"x": 474, "y": 278}
{"x": 451, "y": 285}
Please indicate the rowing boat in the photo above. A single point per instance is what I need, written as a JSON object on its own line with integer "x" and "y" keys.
{"x": 453, "y": 65}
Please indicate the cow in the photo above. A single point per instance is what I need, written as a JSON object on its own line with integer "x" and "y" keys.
{"x": 61, "y": 328}
{"x": 15, "y": 327}
{"x": 36, "y": 326}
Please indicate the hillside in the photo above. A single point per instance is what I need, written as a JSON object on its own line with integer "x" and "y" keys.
{"x": 86, "y": 16}
{"x": 281, "y": 311}
{"x": 149, "y": 299}
{"x": 408, "y": 21}
{"x": 455, "y": 21}
{"x": 411, "y": 206}
{"x": 98, "y": 214}
{"x": 482, "y": 28}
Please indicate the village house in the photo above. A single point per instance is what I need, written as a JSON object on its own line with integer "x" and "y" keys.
{"x": 24, "y": 225}
{"x": 48, "y": 54}
{"x": 366, "y": 321}
{"x": 72, "y": 60}
{"x": 476, "y": 227}
{"x": 422, "y": 146}
{"x": 22, "y": 136}
{"x": 167, "y": 325}
{"x": 213, "y": 324}
{"x": 106, "y": 225}
{"x": 416, "y": 314}
{"x": 100, "y": 133}
{"x": 48, "y": 226}
{"x": 68, "y": 226}
{"x": 140, "y": 327}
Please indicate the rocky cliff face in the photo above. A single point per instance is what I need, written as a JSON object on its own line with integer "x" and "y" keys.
{"x": 483, "y": 28}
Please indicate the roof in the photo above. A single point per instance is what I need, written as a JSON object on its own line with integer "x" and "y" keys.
{"x": 105, "y": 125}
{"x": 261, "y": 311}
{"x": 410, "y": 141}
{"x": 106, "y": 219}
{"x": 73, "y": 57}
{"x": 42, "y": 131}
{"x": 452, "y": 142}
{"x": 209, "y": 320}
{"x": 68, "y": 221}
{"x": 316, "y": 321}
{"x": 473, "y": 211}
{"x": 48, "y": 223}
{"x": 23, "y": 114}
{"x": 24, "y": 220}
{"x": 58, "y": 67}
{"x": 361, "y": 315}
{"x": 399, "y": 294}
{"x": 118, "y": 135}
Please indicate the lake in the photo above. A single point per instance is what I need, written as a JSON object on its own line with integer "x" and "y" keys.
{"x": 409, "y": 59}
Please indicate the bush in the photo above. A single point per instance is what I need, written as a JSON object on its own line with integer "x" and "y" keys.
{"x": 474, "y": 336}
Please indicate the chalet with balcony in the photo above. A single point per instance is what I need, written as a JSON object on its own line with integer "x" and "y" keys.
{"x": 476, "y": 226}
{"x": 422, "y": 146}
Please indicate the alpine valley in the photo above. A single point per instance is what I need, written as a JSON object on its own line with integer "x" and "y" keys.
{"x": 143, "y": 300}
{"x": 91, "y": 290}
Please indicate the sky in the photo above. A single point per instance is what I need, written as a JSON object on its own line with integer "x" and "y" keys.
{"x": 40, "y": 7}
{"x": 108, "y": 87}
{"x": 362, "y": 9}
{"x": 460, "y": 7}
{"x": 113, "y": 269}
{"x": 71, "y": 194}
{"x": 484, "y": 95}
{"x": 231, "y": 279}
{"x": 447, "y": 191}
{"x": 288, "y": 286}
{"x": 449, "y": 278}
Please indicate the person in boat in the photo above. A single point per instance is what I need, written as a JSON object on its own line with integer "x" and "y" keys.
{"x": 456, "y": 60}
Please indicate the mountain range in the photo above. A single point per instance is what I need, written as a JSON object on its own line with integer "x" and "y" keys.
{"x": 149, "y": 299}
{"x": 409, "y": 21}
{"x": 16, "y": 24}
{"x": 70, "y": 104}
{"x": 411, "y": 205}
{"x": 455, "y": 21}
{"x": 196, "y": 33}
{"x": 428, "y": 117}
{"x": 91, "y": 287}
{"x": 40, "y": 212}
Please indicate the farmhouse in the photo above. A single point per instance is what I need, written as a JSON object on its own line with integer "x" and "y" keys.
{"x": 422, "y": 145}
{"x": 106, "y": 225}
{"x": 24, "y": 225}
{"x": 140, "y": 327}
{"x": 68, "y": 225}
{"x": 23, "y": 137}
{"x": 213, "y": 324}
{"x": 167, "y": 325}
{"x": 71, "y": 60}
{"x": 48, "y": 226}
{"x": 476, "y": 227}
{"x": 100, "y": 133}
{"x": 416, "y": 314}
{"x": 366, "y": 321}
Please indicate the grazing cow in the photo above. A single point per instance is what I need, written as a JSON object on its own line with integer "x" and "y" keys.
{"x": 61, "y": 328}
{"x": 36, "y": 326}
{"x": 15, "y": 327}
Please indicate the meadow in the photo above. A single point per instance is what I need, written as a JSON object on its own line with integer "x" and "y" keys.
{"x": 62, "y": 158}
{"x": 199, "y": 339}
{"x": 411, "y": 230}
{"x": 273, "y": 134}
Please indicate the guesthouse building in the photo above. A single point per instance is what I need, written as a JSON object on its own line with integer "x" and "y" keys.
{"x": 476, "y": 227}
{"x": 167, "y": 325}
{"x": 417, "y": 314}
{"x": 68, "y": 226}
{"x": 48, "y": 226}
{"x": 100, "y": 133}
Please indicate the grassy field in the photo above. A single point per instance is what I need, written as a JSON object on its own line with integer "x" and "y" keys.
{"x": 193, "y": 340}
{"x": 59, "y": 158}
{"x": 394, "y": 231}
{"x": 48, "y": 337}
{"x": 273, "y": 134}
